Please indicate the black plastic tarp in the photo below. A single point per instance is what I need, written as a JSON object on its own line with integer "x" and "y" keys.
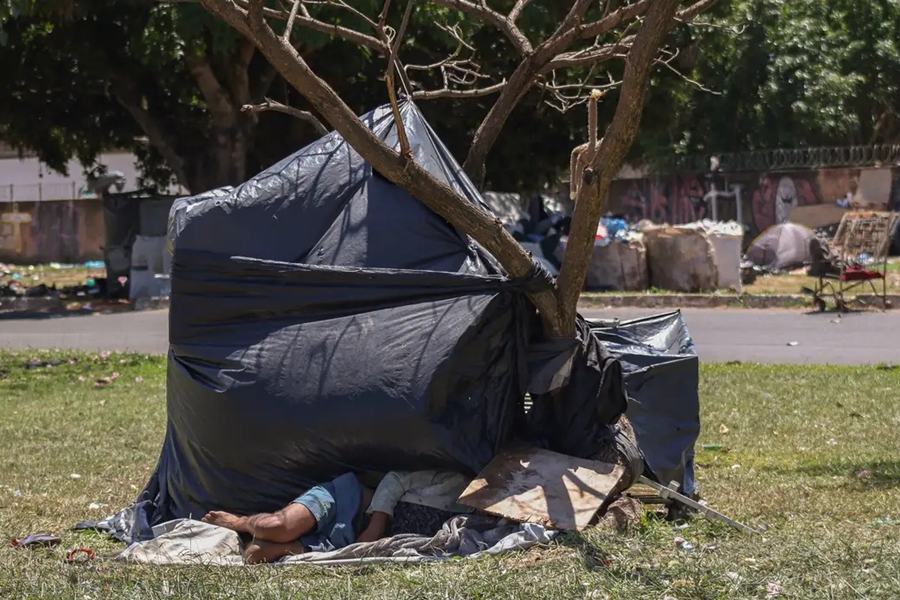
{"x": 323, "y": 320}
{"x": 662, "y": 376}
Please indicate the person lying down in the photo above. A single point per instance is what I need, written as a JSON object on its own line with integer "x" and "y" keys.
{"x": 343, "y": 512}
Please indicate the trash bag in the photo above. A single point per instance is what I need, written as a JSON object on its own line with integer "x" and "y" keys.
{"x": 662, "y": 376}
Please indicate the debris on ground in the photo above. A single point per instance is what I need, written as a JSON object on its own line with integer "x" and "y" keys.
{"x": 53, "y": 281}
{"x": 36, "y": 540}
{"x": 622, "y": 514}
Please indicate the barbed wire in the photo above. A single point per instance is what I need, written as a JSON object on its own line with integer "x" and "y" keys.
{"x": 786, "y": 159}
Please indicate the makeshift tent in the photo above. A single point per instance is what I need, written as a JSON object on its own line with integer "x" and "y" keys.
{"x": 781, "y": 247}
{"x": 662, "y": 375}
{"x": 323, "y": 320}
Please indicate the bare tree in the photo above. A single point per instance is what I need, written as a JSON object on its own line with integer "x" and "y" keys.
{"x": 633, "y": 32}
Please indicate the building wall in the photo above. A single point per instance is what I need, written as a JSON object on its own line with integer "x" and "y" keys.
{"x": 28, "y": 179}
{"x": 766, "y": 198}
{"x": 67, "y": 231}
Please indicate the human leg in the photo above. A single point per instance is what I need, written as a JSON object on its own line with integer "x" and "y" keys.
{"x": 283, "y": 526}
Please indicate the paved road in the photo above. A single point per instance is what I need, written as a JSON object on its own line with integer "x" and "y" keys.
{"x": 720, "y": 335}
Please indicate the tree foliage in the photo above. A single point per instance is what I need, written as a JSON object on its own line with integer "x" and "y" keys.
{"x": 782, "y": 75}
{"x": 88, "y": 76}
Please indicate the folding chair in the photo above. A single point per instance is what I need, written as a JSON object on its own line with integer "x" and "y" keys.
{"x": 857, "y": 258}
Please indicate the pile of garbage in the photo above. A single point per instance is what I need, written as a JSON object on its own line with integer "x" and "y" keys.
{"x": 18, "y": 281}
{"x": 697, "y": 257}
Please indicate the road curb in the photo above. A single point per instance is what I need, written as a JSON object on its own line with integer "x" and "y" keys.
{"x": 588, "y": 300}
{"x": 754, "y": 301}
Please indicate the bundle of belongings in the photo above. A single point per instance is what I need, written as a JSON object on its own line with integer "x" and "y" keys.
{"x": 343, "y": 363}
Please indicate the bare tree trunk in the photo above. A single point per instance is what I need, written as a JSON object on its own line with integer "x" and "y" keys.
{"x": 608, "y": 160}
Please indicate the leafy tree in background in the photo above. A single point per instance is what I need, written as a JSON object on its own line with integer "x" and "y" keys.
{"x": 781, "y": 75}
{"x": 167, "y": 82}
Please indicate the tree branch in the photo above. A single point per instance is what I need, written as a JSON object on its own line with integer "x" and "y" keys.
{"x": 273, "y": 106}
{"x": 305, "y": 20}
{"x": 409, "y": 175}
{"x": 289, "y": 26}
{"x": 517, "y": 10}
{"x": 506, "y": 26}
{"x": 614, "y": 19}
{"x": 604, "y": 165}
{"x": 240, "y": 73}
{"x": 217, "y": 101}
{"x": 451, "y": 93}
{"x": 126, "y": 92}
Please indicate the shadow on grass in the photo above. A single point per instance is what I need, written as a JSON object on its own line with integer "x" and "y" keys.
{"x": 881, "y": 474}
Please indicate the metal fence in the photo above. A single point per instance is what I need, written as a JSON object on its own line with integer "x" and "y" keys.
{"x": 793, "y": 159}
{"x": 43, "y": 191}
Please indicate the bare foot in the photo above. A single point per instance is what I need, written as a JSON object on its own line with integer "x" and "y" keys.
{"x": 259, "y": 551}
{"x": 225, "y": 519}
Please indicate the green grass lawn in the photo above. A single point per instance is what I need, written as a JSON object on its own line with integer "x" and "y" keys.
{"x": 809, "y": 452}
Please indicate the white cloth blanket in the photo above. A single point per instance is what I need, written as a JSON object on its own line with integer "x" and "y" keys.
{"x": 193, "y": 542}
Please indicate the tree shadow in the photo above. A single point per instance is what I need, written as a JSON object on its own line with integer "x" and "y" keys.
{"x": 861, "y": 475}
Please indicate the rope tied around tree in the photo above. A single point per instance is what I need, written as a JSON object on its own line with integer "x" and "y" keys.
{"x": 583, "y": 154}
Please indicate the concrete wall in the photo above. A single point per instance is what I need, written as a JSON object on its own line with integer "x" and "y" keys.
{"x": 766, "y": 198}
{"x": 67, "y": 231}
{"x": 28, "y": 179}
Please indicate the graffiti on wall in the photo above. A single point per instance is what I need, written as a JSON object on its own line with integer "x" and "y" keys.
{"x": 767, "y": 198}
{"x": 51, "y": 231}
{"x": 679, "y": 199}
{"x": 776, "y": 196}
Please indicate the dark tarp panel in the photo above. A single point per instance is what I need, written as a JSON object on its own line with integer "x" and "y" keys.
{"x": 323, "y": 320}
{"x": 121, "y": 219}
{"x": 662, "y": 378}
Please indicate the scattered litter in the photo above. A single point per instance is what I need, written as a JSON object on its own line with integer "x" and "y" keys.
{"x": 17, "y": 493}
{"x": 767, "y": 395}
{"x": 36, "y": 364}
{"x": 723, "y": 429}
{"x": 886, "y": 521}
{"x": 96, "y": 505}
{"x": 832, "y": 442}
{"x": 735, "y": 467}
{"x": 864, "y": 474}
{"x": 710, "y": 548}
{"x": 713, "y": 447}
{"x": 40, "y": 539}
{"x": 681, "y": 527}
{"x": 76, "y": 555}
{"x": 75, "y": 476}
{"x": 773, "y": 590}
{"x": 793, "y": 343}
{"x": 733, "y": 576}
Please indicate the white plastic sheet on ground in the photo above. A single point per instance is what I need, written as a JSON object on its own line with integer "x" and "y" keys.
{"x": 189, "y": 542}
